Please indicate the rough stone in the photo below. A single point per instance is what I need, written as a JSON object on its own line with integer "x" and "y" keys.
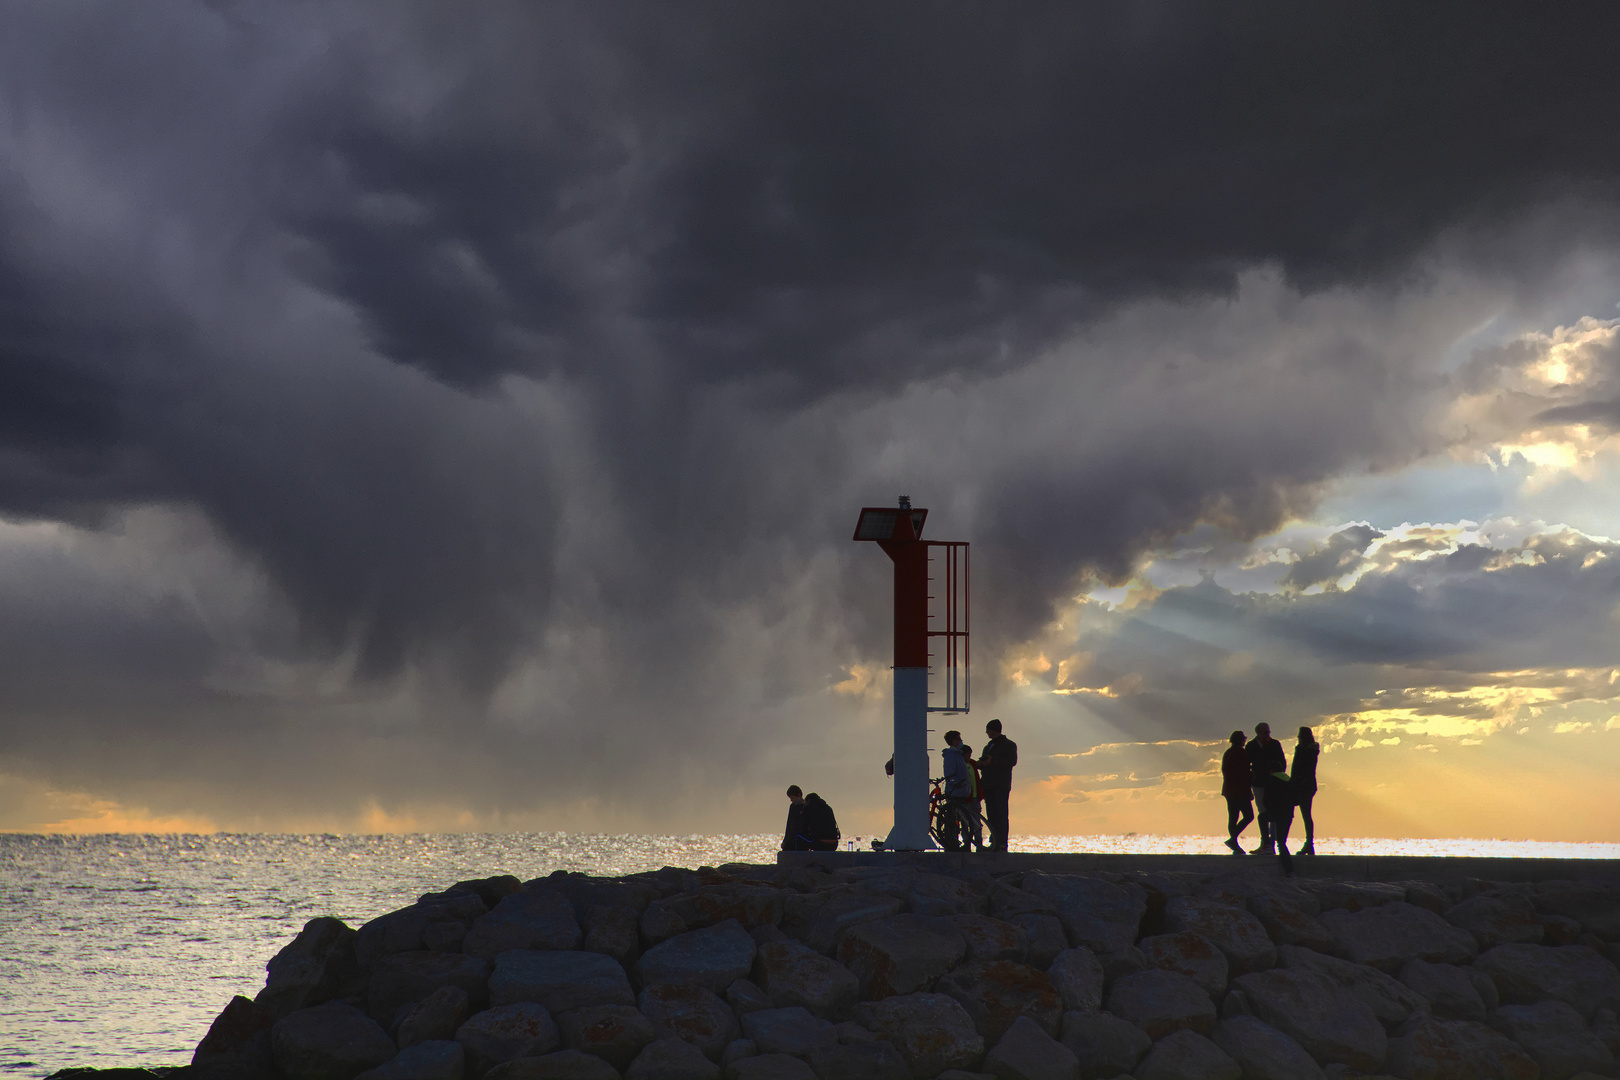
{"x": 240, "y": 1033}
{"x": 849, "y": 1031}
{"x": 963, "y": 1074}
{"x": 1118, "y": 965}
{"x": 736, "y": 1050}
{"x": 1105, "y": 1045}
{"x": 1498, "y": 919}
{"x": 1188, "y": 1056}
{"x": 1287, "y": 922}
{"x": 1390, "y": 1000}
{"x": 1263, "y": 1052}
{"x": 1009, "y": 902}
{"x": 436, "y": 1059}
{"x": 765, "y": 935}
{"x": 1238, "y": 934}
{"x": 1358, "y": 895}
{"x": 931, "y": 1031}
{"x": 311, "y": 969}
{"x": 691, "y": 1013}
{"x": 821, "y": 919}
{"x": 521, "y": 1029}
{"x": 1557, "y": 1037}
{"x": 744, "y": 997}
{"x": 1332, "y": 1024}
{"x": 405, "y": 978}
{"x": 1045, "y": 936}
{"x": 334, "y": 1041}
{"x": 615, "y": 932}
{"x": 1449, "y": 990}
{"x": 435, "y": 1018}
{"x": 713, "y": 957}
{"x": 1560, "y": 930}
{"x": 1026, "y": 1052}
{"x": 769, "y": 1067}
{"x": 793, "y": 974}
{"x": 1387, "y": 936}
{"x": 1484, "y": 986}
{"x": 614, "y": 1033}
{"x": 1160, "y": 1002}
{"x": 1595, "y": 907}
{"x": 927, "y": 894}
{"x": 875, "y": 1059}
{"x": 1425, "y": 894}
{"x": 751, "y": 905}
{"x": 658, "y": 924}
{"x": 1191, "y": 954}
{"x": 586, "y": 892}
{"x": 901, "y": 954}
{"x": 559, "y": 980}
{"x": 794, "y": 1030}
{"x": 992, "y": 939}
{"x": 404, "y": 930}
{"x": 1457, "y": 1050}
{"x": 1606, "y": 1026}
{"x": 1573, "y": 974}
{"x": 997, "y": 992}
{"x": 671, "y": 1059}
{"x": 1095, "y": 913}
{"x": 531, "y": 919}
{"x": 1077, "y": 975}
{"x": 563, "y": 1065}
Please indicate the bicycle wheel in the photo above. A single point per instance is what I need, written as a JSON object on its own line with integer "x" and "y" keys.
{"x": 943, "y": 826}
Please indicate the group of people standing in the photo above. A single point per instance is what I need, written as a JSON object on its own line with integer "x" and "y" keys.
{"x": 1260, "y": 787}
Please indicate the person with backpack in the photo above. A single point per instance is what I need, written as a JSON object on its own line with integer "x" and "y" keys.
{"x": 995, "y": 771}
{"x": 820, "y": 824}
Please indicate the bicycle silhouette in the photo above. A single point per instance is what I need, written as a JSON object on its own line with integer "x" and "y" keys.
{"x": 950, "y": 822}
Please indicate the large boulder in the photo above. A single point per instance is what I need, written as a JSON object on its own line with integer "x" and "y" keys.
{"x": 311, "y": 969}
{"x": 1105, "y": 1045}
{"x": 1595, "y": 907}
{"x": 794, "y": 974}
{"x": 558, "y": 979}
{"x": 1431, "y": 1049}
{"x": 613, "y": 931}
{"x": 671, "y": 1059}
{"x": 751, "y": 905}
{"x": 821, "y": 919}
{"x": 692, "y": 1014}
{"x": 614, "y": 1033}
{"x": 931, "y": 1031}
{"x": 437, "y": 1059}
{"x": 586, "y": 892}
{"x": 1289, "y": 920}
{"x": 436, "y": 923}
{"x": 713, "y": 957}
{"x": 1077, "y": 975}
{"x": 239, "y": 1037}
{"x": 794, "y": 1030}
{"x": 1098, "y": 914}
{"x": 1497, "y": 919}
{"x": 1450, "y": 992}
{"x": 1390, "y": 1000}
{"x": 521, "y": 1029}
{"x": 1358, "y": 895}
{"x": 433, "y": 1019}
{"x": 1026, "y": 1052}
{"x": 1263, "y": 1052}
{"x": 1556, "y": 1036}
{"x": 901, "y": 954}
{"x": 769, "y": 1067}
{"x": 1232, "y": 930}
{"x": 1160, "y": 1002}
{"x": 1009, "y": 902}
{"x": 1573, "y": 974}
{"x": 1389, "y": 935}
{"x": 997, "y": 992}
{"x": 1188, "y": 1056}
{"x": 874, "y": 1059}
{"x": 1333, "y": 1025}
{"x": 1045, "y": 936}
{"x": 1191, "y": 954}
{"x": 334, "y": 1041}
{"x": 531, "y": 919}
{"x": 992, "y": 939}
{"x": 927, "y": 894}
{"x": 403, "y": 979}
{"x": 744, "y": 997}
{"x": 562, "y": 1065}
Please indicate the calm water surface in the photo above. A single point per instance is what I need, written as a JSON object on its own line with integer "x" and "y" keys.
{"x": 119, "y": 950}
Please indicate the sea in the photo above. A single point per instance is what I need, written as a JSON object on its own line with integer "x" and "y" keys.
{"x": 119, "y": 950}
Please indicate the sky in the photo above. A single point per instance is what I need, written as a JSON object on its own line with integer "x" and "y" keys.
{"x": 415, "y": 418}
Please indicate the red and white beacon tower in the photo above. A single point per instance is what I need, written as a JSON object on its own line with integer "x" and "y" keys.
{"x": 920, "y": 617}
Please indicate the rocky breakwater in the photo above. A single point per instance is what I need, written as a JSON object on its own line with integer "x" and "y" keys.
{"x": 888, "y": 973}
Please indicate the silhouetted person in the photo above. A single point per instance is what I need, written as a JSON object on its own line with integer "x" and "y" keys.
{"x": 976, "y": 807}
{"x": 1306, "y": 751}
{"x": 995, "y": 771}
{"x": 795, "y": 839}
{"x": 1237, "y": 780}
{"x": 961, "y": 790}
{"x": 1280, "y": 812}
{"x": 819, "y": 824}
{"x": 1265, "y": 757}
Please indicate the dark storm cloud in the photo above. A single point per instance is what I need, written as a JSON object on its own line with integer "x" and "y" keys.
{"x": 551, "y": 346}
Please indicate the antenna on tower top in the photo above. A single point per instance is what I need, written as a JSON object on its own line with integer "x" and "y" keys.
{"x": 905, "y": 502}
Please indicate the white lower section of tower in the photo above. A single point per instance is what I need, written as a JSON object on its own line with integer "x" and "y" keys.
{"x": 910, "y": 761}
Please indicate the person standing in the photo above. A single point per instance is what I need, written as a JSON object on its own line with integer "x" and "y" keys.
{"x": 1237, "y": 782}
{"x": 1265, "y": 757}
{"x": 1280, "y": 811}
{"x": 1306, "y": 751}
{"x": 795, "y": 838}
{"x": 995, "y": 772}
{"x": 962, "y": 791}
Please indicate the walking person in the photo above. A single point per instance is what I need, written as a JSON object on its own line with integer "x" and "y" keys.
{"x": 995, "y": 771}
{"x": 1280, "y": 810}
{"x": 1237, "y": 783}
{"x": 961, "y": 790}
{"x": 1306, "y": 751}
{"x": 1265, "y": 757}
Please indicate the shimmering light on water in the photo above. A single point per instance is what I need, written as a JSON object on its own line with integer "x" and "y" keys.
{"x": 119, "y": 950}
